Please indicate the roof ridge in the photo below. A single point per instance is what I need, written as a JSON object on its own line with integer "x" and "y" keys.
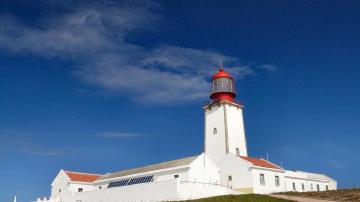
{"x": 271, "y": 162}
{"x": 137, "y": 170}
{"x": 257, "y": 162}
{"x": 165, "y": 162}
{"x": 69, "y": 171}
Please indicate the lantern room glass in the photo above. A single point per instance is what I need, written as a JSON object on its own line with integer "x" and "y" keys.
{"x": 223, "y": 84}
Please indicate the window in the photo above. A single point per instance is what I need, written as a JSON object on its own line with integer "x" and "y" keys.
{"x": 303, "y": 187}
{"x": 80, "y": 189}
{"x": 237, "y": 152}
{"x": 317, "y": 187}
{"x": 222, "y": 85}
{"x": 294, "y": 187}
{"x": 311, "y": 187}
{"x": 230, "y": 178}
{"x": 262, "y": 179}
{"x": 59, "y": 190}
{"x": 277, "y": 181}
{"x": 327, "y": 188}
{"x": 215, "y": 131}
{"x": 176, "y": 176}
{"x": 100, "y": 187}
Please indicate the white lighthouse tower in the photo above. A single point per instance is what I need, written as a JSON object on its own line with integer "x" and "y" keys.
{"x": 224, "y": 123}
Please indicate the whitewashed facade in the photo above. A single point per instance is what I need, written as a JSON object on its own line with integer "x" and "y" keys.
{"x": 223, "y": 168}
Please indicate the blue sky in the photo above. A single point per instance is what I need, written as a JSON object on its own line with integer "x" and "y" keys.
{"x": 99, "y": 87}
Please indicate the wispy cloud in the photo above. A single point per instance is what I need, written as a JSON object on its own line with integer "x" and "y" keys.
{"x": 120, "y": 135}
{"x": 25, "y": 142}
{"x": 96, "y": 39}
{"x": 37, "y": 143}
{"x": 268, "y": 67}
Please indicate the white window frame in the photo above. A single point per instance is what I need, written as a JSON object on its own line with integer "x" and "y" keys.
{"x": 262, "y": 179}
{"x": 277, "y": 181}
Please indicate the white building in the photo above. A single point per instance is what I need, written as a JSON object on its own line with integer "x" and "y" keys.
{"x": 223, "y": 168}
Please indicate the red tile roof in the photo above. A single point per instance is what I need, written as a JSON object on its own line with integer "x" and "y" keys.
{"x": 261, "y": 162}
{"x": 82, "y": 177}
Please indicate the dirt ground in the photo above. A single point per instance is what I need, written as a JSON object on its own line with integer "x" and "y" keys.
{"x": 333, "y": 195}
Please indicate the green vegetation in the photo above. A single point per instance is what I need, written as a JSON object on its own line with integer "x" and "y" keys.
{"x": 242, "y": 198}
{"x": 336, "y": 195}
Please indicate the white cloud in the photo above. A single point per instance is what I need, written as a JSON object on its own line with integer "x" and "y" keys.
{"x": 186, "y": 59}
{"x": 84, "y": 32}
{"x": 96, "y": 37}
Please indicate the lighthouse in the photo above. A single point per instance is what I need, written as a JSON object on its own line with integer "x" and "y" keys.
{"x": 224, "y": 123}
{"x": 224, "y": 166}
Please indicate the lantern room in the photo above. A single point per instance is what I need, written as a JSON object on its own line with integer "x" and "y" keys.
{"x": 223, "y": 86}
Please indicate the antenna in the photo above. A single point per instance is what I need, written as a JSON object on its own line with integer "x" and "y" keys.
{"x": 221, "y": 65}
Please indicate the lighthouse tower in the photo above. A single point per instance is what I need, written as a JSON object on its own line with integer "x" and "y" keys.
{"x": 224, "y": 123}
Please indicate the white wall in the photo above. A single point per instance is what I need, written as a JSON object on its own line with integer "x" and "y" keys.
{"x": 156, "y": 191}
{"x": 215, "y": 146}
{"x": 287, "y": 178}
{"x": 307, "y": 185}
{"x": 310, "y": 181}
{"x": 236, "y": 130}
{"x": 224, "y": 116}
{"x": 170, "y": 175}
{"x": 190, "y": 190}
{"x": 298, "y": 185}
{"x": 239, "y": 169}
{"x": 203, "y": 169}
{"x": 74, "y": 186}
{"x": 269, "y": 175}
{"x": 60, "y": 184}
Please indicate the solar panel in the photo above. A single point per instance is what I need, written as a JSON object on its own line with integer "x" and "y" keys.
{"x": 138, "y": 180}
{"x": 118, "y": 183}
{"x": 149, "y": 178}
{"x": 131, "y": 182}
{"x": 135, "y": 180}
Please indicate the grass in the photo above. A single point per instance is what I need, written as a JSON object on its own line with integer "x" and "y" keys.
{"x": 242, "y": 198}
{"x": 335, "y": 195}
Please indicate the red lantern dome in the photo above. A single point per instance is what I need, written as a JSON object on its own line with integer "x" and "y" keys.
{"x": 223, "y": 87}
